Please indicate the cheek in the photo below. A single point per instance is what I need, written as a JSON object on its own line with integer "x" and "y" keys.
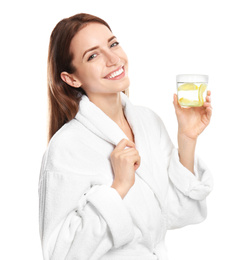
{"x": 123, "y": 55}
{"x": 90, "y": 74}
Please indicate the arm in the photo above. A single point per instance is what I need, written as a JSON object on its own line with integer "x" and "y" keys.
{"x": 187, "y": 192}
{"x": 189, "y": 180}
{"x": 191, "y": 123}
{"x": 78, "y": 221}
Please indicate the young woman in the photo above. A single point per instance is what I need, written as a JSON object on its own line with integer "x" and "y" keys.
{"x": 111, "y": 181}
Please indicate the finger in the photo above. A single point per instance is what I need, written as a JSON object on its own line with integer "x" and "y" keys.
{"x": 209, "y": 112}
{"x": 208, "y": 99}
{"x": 136, "y": 160}
{"x": 207, "y": 104}
{"x": 176, "y": 103}
{"x": 136, "y": 167}
{"x": 123, "y": 143}
{"x": 137, "y": 164}
{"x": 132, "y": 158}
{"x": 129, "y": 151}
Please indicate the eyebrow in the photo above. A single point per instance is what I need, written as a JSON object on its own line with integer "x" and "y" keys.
{"x": 96, "y": 47}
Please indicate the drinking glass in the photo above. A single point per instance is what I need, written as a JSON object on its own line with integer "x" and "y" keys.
{"x": 191, "y": 89}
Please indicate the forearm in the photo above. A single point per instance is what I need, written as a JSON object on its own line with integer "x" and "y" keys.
{"x": 186, "y": 151}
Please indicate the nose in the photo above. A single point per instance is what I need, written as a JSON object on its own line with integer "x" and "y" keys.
{"x": 112, "y": 58}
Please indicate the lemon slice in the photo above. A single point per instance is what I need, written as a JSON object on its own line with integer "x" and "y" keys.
{"x": 189, "y": 103}
{"x": 188, "y": 86}
{"x": 201, "y": 90}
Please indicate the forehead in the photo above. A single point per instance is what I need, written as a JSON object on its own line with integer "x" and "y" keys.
{"x": 93, "y": 34}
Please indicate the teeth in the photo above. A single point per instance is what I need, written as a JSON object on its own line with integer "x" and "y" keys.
{"x": 116, "y": 73}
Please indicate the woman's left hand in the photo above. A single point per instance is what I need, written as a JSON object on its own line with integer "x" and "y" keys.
{"x": 192, "y": 121}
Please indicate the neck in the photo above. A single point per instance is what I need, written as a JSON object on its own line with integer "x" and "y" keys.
{"x": 111, "y": 105}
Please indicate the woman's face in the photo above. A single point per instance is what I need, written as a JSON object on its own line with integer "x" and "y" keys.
{"x": 100, "y": 62}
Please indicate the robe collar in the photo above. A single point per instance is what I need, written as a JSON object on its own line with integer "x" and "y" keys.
{"x": 102, "y": 125}
{"x": 93, "y": 118}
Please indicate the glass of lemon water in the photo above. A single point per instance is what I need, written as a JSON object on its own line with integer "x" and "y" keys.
{"x": 191, "y": 89}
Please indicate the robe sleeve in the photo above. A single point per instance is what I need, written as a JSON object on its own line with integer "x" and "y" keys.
{"x": 77, "y": 221}
{"x": 187, "y": 192}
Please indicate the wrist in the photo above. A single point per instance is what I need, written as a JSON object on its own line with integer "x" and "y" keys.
{"x": 120, "y": 189}
{"x": 186, "y": 138}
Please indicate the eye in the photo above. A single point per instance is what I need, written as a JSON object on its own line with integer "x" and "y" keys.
{"x": 92, "y": 57}
{"x": 114, "y": 44}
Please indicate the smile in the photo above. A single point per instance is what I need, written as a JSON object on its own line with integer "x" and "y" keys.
{"x": 116, "y": 74}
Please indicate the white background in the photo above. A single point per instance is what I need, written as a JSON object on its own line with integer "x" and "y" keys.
{"x": 161, "y": 39}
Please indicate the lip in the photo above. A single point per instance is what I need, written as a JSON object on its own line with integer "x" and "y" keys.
{"x": 117, "y": 77}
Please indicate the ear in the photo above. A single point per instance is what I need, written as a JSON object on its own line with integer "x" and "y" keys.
{"x": 70, "y": 80}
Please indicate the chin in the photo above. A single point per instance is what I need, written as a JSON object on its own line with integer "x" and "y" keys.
{"x": 127, "y": 83}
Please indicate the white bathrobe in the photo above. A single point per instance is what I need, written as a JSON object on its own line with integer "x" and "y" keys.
{"x": 82, "y": 217}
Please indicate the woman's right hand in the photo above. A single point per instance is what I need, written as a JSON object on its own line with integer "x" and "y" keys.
{"x": 124, "y": 163}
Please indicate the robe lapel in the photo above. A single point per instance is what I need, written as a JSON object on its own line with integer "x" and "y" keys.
{"x": 103, "y": 126}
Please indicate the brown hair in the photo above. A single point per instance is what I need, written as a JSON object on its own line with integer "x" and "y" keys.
{"x": 63, "y": 99}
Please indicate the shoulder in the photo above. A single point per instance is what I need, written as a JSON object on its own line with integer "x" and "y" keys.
{"x": 65, "y": 135}
{"x": 148, "y": 116}
{"x": 60, "y": 145}
{"x": 152, "y": 123}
